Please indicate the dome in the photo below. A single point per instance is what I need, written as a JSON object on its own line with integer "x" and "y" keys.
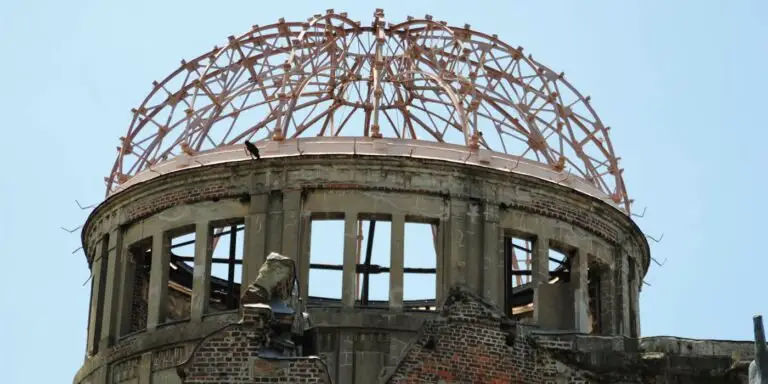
{"x": 330, "y": 77}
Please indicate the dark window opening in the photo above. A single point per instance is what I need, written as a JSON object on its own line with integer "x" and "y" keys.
{"x": 141, "y": 253}
{"x": 326, "y": 258}
{"x": 420, "y": 265}
{"x": 518, "y": 252}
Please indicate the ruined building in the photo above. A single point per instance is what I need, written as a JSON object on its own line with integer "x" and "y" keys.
{"x": 299, "y": 136}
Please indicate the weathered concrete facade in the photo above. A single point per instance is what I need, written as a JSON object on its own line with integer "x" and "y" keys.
{"x": 145, "y": 322}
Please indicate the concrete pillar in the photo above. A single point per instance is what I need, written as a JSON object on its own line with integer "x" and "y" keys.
{"x": 635, "y": 285}
{"x": 539, "y": 274}
{"x": 474, "y": 239}
{"x": 98, "y": 282}
{"x": 201, "y": 283}
{"x": 441, "y": 254}
{"x": 607, "y": 300}
{"x": 623, "y": 287}
{"x": 126, "y": 280}
{"x": 492, "y": 259}
{"x": 255, "y": 241}
{"x": 291, "y": 223}
{"x": 157, "y": 304}
{"x": 397, "y": 250}
{"x": 305, "y": 242}
{"x": 145, "y": 369}
{"x": 116, "y": 306}
{"x": 350, "y": 249}
{"x": 458, "y": 243}
{"x": 274, "y": 224}
{"x": 579, "y": 270}
{"x": 346, "y": 357}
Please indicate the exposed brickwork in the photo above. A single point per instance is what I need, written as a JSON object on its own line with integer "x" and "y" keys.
{"x": 231, "y": 355}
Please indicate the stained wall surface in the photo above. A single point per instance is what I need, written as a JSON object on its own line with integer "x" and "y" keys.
{"x": 473, "y": 209}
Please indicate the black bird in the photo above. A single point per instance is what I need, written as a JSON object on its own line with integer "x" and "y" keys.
{"x": 252, "y": 150}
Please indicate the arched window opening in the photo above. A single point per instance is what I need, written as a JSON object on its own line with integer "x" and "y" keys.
{"x": 420, "y": 265}
{"x": 326, "y": 259}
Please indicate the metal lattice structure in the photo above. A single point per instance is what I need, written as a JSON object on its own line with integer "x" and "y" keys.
{"x": 331, "y": 76}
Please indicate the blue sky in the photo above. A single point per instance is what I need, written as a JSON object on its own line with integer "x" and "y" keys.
{"x": 681, "y": 83}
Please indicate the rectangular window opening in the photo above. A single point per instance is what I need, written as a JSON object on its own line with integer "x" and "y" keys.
{"x": 420, "y": 265}
{"x": 559, "y": 266}
{"x": 141, "y": 252}
{"x": 326, "y": 259}
{"x": 373, "y": 254}
{"x": 518, "y": 252}
{"x": 227, "y": 243}
{"x": 180, "y": 274}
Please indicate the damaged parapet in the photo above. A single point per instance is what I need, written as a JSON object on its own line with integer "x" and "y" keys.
{"x": 758, "y": 368}
{"x": 273, "y": 342}
{"x": 276, "y": 289}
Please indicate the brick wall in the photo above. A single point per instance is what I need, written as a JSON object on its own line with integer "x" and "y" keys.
{"x": 232, "y": 355}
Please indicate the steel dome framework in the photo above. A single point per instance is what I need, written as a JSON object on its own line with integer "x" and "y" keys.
{"x": 330, "y": 76}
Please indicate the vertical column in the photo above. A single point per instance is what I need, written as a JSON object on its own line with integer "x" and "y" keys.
{"x": 579, "y": 270}
{"x": 127, "y": 267}
{"x": 440, "y": 252}
{"x": 607, "y": 293}
{"x": 255, "y": 240}
{"x": 350, "y": 241}
{"x": 623, "y": 287}
{"x": 346, "y": 357}
{"x": 493, "y": 263}
{"x": 539, "y": 275}
{"x": 98, "y": 280}
{"x": 116, "y": 306}
{"x": 305, "y": 242}
{"x": 634, "y": 295}
{"x": 201, "y": 283}
{"x": 458, "y": 245}
{"x": 291, "y": 223}
{"x": 145, "y": 369}
{"x": 397, "y": 249}
{"x": 274, "y": 224}
{"x": 158, "y": 281}
{"x": 473, "y": 237}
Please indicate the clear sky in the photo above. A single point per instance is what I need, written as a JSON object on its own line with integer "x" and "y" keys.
{"x": 681, "y": 82}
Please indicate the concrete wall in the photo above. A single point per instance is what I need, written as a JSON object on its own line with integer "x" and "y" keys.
{"x": 276, "y": 198}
